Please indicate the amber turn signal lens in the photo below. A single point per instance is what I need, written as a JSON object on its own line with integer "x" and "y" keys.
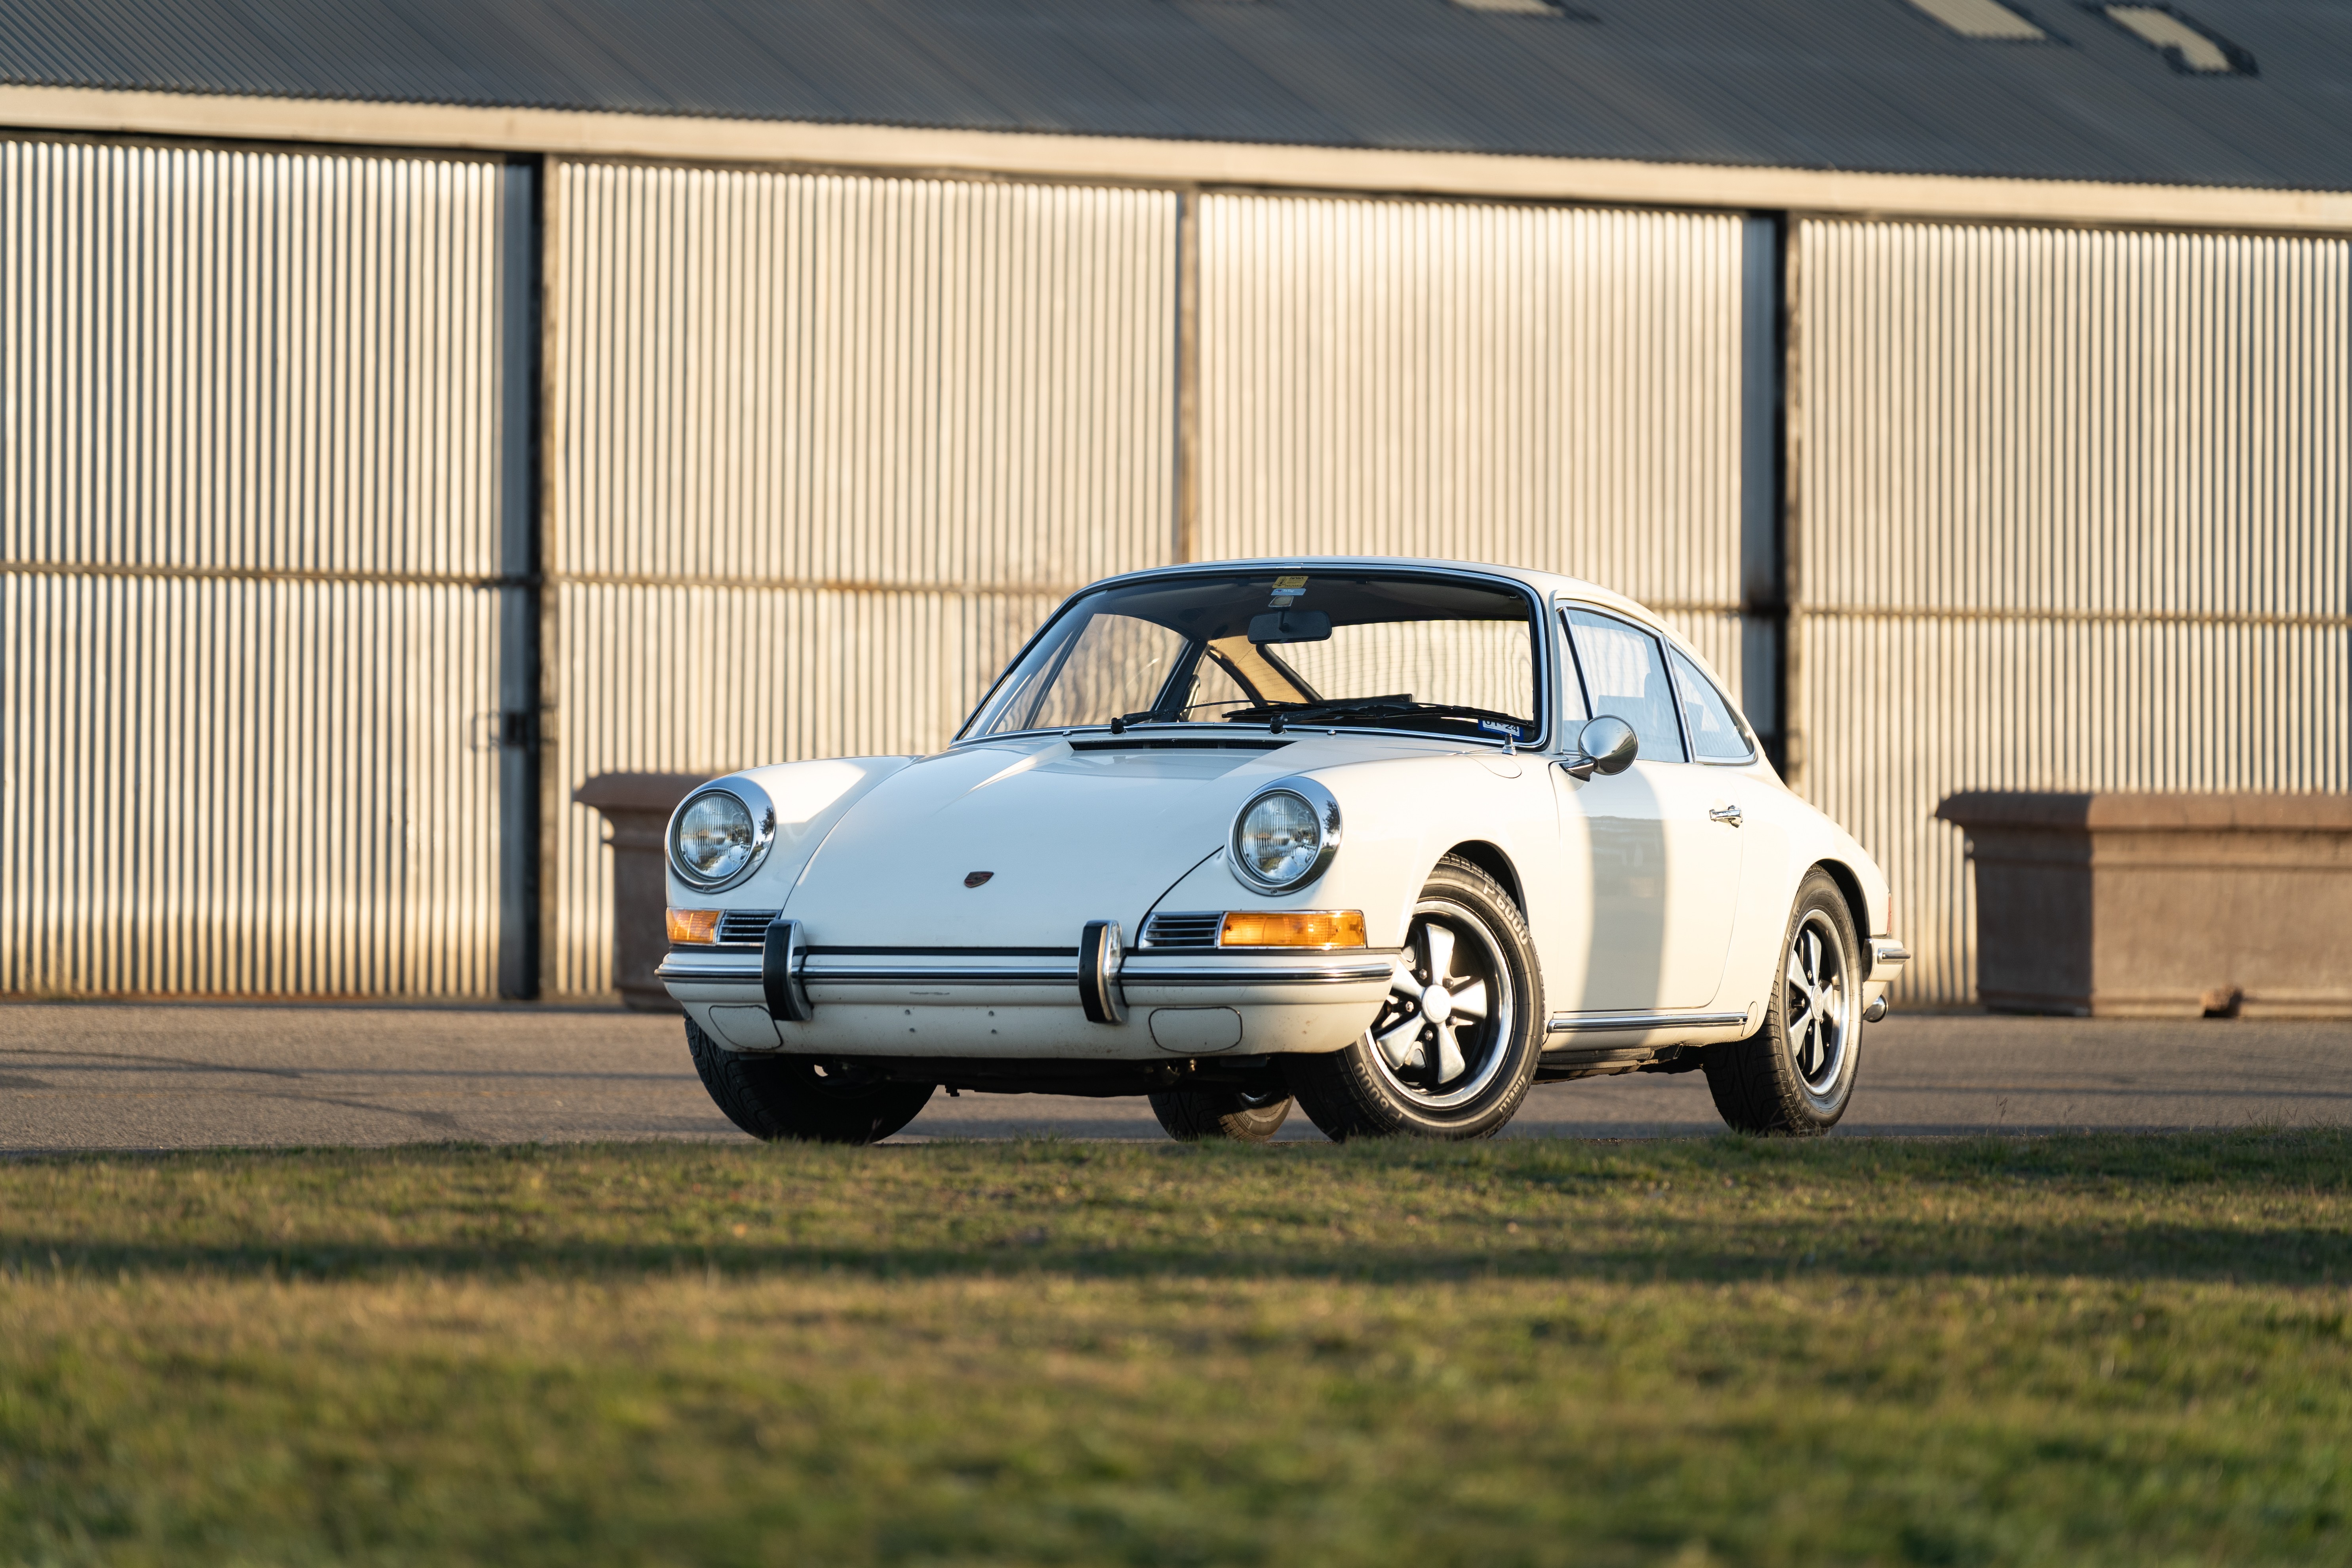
{"x": 1294, "y": 928}
{"x": 694, "y": 925}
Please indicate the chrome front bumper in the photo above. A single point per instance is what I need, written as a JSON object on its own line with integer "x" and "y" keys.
{"x": 1017, "y": 1003}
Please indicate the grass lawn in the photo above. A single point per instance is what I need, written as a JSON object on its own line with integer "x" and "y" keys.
{"x": 2076, "y": 1349}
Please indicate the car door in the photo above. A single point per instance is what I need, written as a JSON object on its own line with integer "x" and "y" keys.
{"x": 1664, "y": 853}
{"x": 1725, "y": 754}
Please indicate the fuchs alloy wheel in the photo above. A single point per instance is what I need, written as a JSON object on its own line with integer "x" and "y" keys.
{"x": 1189, "y": 1115}
{"x": 1455, "y": 1044}
{"x": 1793, "y": 1077}
{"x": 776, "y": 1097}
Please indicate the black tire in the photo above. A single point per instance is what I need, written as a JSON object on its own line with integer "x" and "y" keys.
{"x": 1364, "y": 1091}
{"x": 775, "y": 1098}
{"x": 1782, "y": 1084}
{"x": 1189, "y": 1115}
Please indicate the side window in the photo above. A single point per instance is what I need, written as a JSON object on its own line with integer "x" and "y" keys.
{"x": 1572, "y": 709}
{"x": 1716, "y": 734}
{"x": 1625, "y": 671}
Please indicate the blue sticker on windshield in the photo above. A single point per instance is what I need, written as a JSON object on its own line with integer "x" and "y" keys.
{"x": 1497, "y": 727}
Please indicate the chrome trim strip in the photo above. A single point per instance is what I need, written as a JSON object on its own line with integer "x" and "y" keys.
{"x": 1320, "y": 974}
{"x": 1351, "y": 971}
{"x": 1139, "y": 970}
{"x": 1328, "y": 957}
{"x": 1886, "y": 953}
{"x": 1126, "y": 977}
{"x": 1591, "y": 1022}
{"x": 673, "y": 968}
{"x": 814, "y": 977}
{"x": 1284, "y": 977}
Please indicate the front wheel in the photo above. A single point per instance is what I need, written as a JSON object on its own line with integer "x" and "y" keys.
{"x": 779, "y": 1098}
{"x": 1456, "y": 1044}
{"x": 1793, "y": 1077}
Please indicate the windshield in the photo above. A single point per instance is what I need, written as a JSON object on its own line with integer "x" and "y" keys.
{"x": 1373, "y": 649}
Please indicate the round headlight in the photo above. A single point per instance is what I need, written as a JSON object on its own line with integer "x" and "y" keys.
{"x": 714, "y": 839}
{"x": 1287, "y": 836}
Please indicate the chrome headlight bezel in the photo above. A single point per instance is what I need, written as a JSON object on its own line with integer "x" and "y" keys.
{"x": 755, "y": 803}
{"x": 1320, "y": 803}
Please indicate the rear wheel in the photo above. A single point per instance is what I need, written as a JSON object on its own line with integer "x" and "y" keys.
{"x": 1189, "y": 1115}
{"x": 775, "y": 1098}
{"x": 1455, "y": 1044}
{"x": 1794, "y": 1077}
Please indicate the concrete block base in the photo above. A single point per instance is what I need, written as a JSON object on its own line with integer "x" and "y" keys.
{"x": 638, "y": 807}
{"x": 2161, "y": 906}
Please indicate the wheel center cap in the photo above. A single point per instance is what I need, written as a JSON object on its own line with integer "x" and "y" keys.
{"x": 1436, "y": 1005}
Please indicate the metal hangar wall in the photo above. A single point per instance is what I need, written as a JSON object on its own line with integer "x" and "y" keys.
{"x": 371, "y": 473}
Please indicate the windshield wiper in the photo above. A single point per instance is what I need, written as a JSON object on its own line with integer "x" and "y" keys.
{"x": 1278, "y": 714}
{"x": 1326, "y": 707}
{"x": 1118, "y": 726}
{"x": 1156, "y": 716}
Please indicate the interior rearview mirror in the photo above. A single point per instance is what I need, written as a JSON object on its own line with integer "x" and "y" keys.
{"x": 1290, "y": 625}
{"x": 1606, "y": 744}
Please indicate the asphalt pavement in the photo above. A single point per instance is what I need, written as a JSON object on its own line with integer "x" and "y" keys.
{"x": 169, "y": 1075}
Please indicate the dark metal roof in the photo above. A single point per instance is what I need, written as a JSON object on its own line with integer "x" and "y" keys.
{"x": 1869, "y": 85}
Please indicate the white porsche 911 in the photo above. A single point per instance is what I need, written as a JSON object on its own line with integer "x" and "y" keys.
{"x": 1393, "y": 839}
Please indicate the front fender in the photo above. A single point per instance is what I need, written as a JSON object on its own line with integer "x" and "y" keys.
{"x": 1399, "y": 816}
{"x": 810, "y": 798}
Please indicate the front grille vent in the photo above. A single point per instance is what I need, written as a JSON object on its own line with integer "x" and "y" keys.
{"x": 1189, "y": 930}
{"x": 745, "y": 926}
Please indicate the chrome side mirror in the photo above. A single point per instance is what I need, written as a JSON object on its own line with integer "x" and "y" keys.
{"x": 1606, "y": 745}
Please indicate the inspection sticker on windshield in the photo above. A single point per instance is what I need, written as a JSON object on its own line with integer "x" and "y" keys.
{"x": 1497, "y": 727}
{"x": 1286, "y": 593}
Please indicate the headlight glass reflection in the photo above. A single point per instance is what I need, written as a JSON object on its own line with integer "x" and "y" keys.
{"x": 714, "y": 837}
{"x": 1278, "y": 839}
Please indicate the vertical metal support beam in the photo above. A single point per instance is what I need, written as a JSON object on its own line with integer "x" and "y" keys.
{"x": 1763, "y": 589}
{"x": 1187, "y": 542}
{"x": 1794, "y": 716}
{"x": 519, "y": 370}
{"x": 547, "y": 443}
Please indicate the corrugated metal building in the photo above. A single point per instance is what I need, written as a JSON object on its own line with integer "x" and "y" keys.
{"x": 412, "y": 409}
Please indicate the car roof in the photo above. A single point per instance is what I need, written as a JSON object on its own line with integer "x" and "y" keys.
{"x": 1548, "y": 584}
{"x": 1552, "y": 584}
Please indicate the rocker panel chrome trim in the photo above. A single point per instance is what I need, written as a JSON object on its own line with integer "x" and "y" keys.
{"x": 1591, "y": 1022}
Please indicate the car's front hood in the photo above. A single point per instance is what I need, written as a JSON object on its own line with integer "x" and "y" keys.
{"x": 1064, "y": 836}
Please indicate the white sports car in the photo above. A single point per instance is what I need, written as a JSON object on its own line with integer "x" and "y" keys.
{"x": 1393, "y": 839}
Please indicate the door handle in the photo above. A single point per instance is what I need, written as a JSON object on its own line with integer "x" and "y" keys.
{"x": 1728, "y": 813}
